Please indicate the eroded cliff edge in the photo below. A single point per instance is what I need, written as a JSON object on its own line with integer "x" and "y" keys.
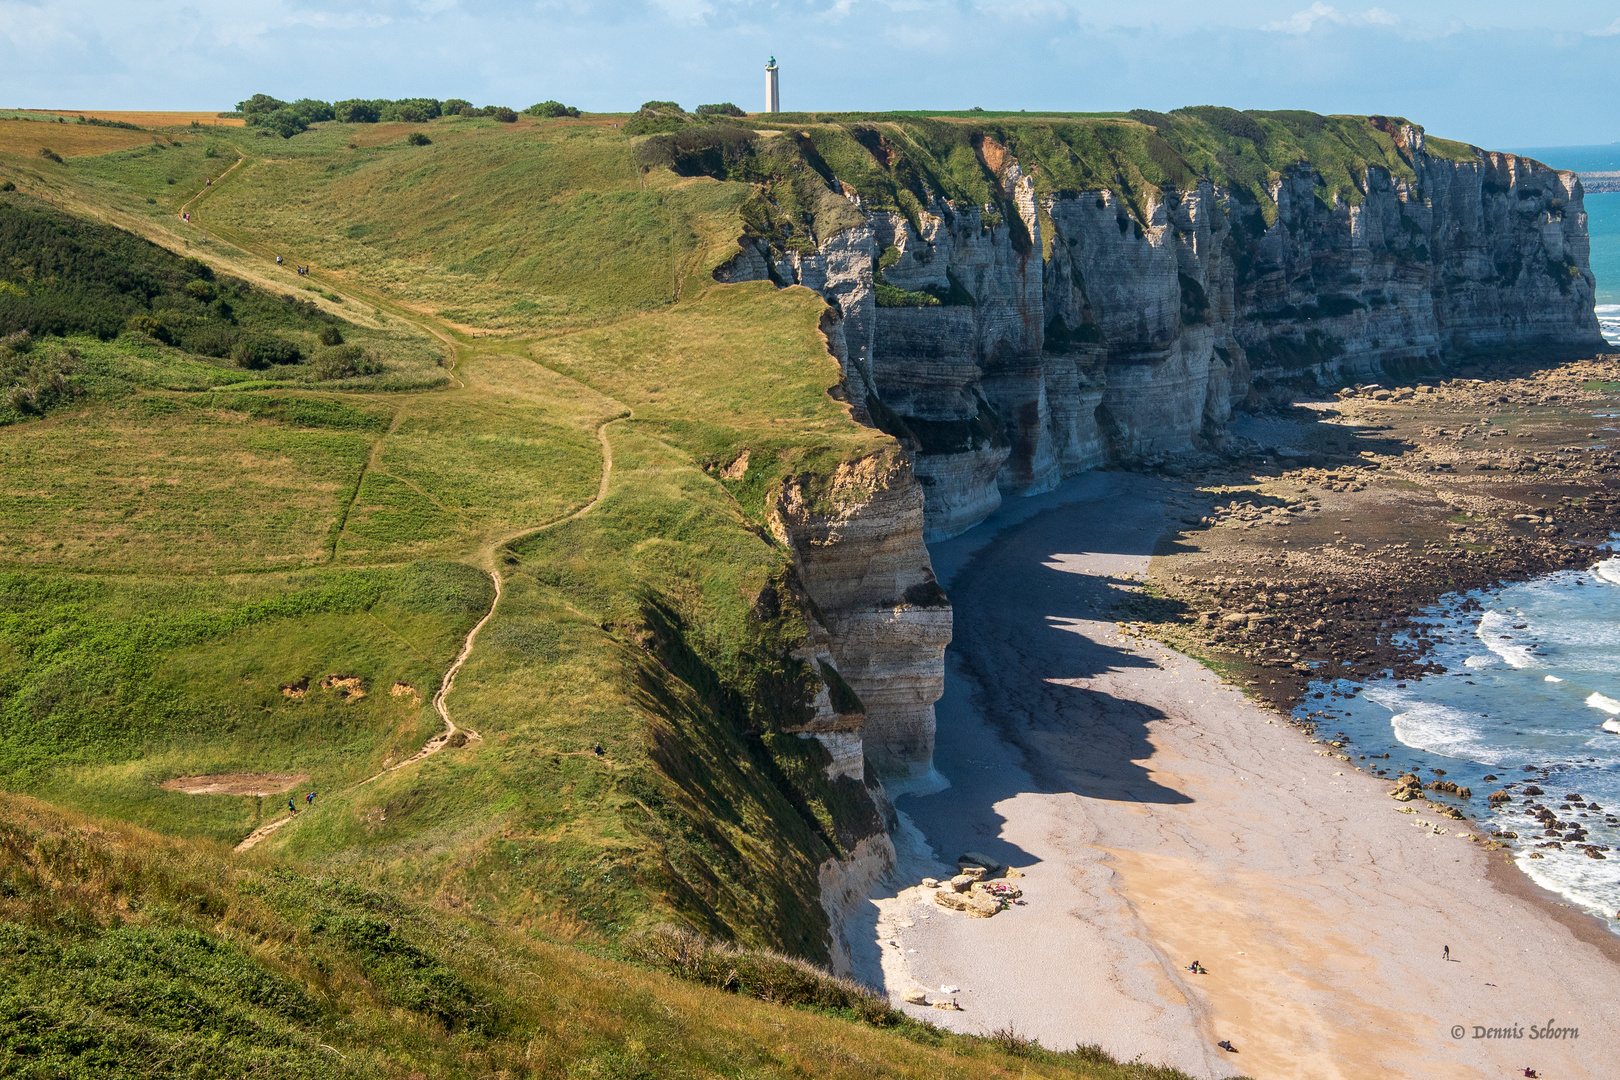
{"x": 1012, "y": 326}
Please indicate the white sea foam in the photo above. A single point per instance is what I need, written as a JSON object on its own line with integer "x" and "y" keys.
{"x": 1609, "y": 322}
{"x": 1491, "y": 625}
{"x": 1479, "y": 661}
{"x": 1441, "y": 729}
{"x": 1607, "y": 704}
{"x": 1551, "y": 678}
{"x": 1612, "y": 725}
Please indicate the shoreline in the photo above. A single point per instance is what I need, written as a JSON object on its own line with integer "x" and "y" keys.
{"x": 1157, "y": 821}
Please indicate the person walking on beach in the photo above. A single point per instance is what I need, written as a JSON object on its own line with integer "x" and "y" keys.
{"x": 1445, "y": 953}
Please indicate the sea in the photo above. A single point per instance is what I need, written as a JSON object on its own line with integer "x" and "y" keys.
{"x": 1529, "y": 700}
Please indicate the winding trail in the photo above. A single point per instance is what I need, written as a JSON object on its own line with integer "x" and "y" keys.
{"x": 486, "y": 554}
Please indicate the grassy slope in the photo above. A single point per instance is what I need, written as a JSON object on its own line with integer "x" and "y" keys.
{"x": 128, "y": 954}
{"x": 697, "y": 809}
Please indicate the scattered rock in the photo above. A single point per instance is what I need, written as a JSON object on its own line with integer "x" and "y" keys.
{"x": 961, "y": 883}
{"x": 975, "y": 904}
{"x": 1409, "y": 787}
{"x": 977, "y": 873}
{"x": 973, "y": 858}
{"x": 1499, "y": 797}
{"x": 930, "y": 883}
{"x": 1533, "y": 790}
{"x": 914, "y": 997}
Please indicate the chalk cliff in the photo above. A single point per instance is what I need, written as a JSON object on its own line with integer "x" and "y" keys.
{"x": 1015, "y": 342}
{"x": 1020, "y": 300}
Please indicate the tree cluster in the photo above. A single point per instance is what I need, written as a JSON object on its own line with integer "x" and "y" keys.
{"x": 274, "y": 116}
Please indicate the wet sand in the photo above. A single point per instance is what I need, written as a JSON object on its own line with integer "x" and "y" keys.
{"x": 1160, "y": 817}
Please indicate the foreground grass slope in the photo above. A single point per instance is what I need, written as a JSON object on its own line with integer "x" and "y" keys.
{"x": 129, "y": 954}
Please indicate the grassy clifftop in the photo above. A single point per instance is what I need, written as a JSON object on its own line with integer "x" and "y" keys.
{"x": 282, "y": 561}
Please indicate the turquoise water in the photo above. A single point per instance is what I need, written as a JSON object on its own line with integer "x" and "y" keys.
{"x": 1602, "y": 222}
{"x": 1530, "y": 698}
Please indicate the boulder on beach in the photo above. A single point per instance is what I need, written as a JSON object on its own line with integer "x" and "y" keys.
{"x": 970, "y": 859}
{"x": 975, "y": 904}
{"x": 1407, "y": 788}
{"x": 962, "y": 883}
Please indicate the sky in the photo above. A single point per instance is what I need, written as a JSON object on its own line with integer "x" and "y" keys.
{"x": 1496, "y": 73}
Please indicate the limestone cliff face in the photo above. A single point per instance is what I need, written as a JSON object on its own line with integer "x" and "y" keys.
{"x": 1077, "y": 331}
{"x": 857, "y": 537}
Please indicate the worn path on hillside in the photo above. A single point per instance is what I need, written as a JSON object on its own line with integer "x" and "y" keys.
{"x": 486, "y": 553}
{"x": 1163, "y": 818}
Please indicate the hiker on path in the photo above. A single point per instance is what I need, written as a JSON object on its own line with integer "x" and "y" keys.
{"x": 309, "y": 800}
{"x": 291, "y": 809}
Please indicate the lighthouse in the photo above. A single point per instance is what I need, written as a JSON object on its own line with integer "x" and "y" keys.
{"x": 773, "y": 99}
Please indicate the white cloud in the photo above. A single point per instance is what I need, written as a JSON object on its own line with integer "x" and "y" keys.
{"x": 1608, "y": 31}
{"x": 1303, "y": 22}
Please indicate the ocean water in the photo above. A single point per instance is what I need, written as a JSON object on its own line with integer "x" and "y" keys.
{"x": 1531, "y": 696}
{"x": 1602, "y": 224}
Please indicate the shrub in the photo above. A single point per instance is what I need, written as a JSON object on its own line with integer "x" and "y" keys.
{"x": 661, "y": 106}
{"x": 256, "y": 351}
{"x": 52, "y": 155}
{"x": 501, "y": 113}
{"x": 331, "y": 335}
{"x": 455, "y": 106}
{"x": 725, "y": 108}
{"x": 551, "y": 110}
{"x": 312, "y": 110}
{"x": 284, "y": 122}
{"x": 33, "y": 380}
{"x": 210, "y": 339}
{"x": 345, "y": 362}
{"x": 9, "y": 186}
{"x": 407, "y": 110}
{"x": 355, "y": 111}
{"x": 259, "y": 105}
{"x": 416, "y": 138}
{"x": 211, "y": 151}
{"x": 149, "y": 326}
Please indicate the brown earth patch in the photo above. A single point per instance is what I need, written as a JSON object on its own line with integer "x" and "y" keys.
{"x": 295, "y": 689}
{"x": 404, "y": 689}
{"x": 349, "y": 686}
{"x": 240, "y": 783}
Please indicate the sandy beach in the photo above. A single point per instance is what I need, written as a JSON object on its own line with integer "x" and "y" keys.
{"x": 1160, "y": 817}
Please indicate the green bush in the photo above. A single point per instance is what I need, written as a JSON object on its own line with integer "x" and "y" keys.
{"x": 312, "y": 110}
{"x": 330, "y": 335}
{"x": 257, "y": 351}
{"x": 50, "y": 155}
{"x": 8, "y": 186}
{"x": 283, "y": 122}
{"x": 259, "y": 105}
{"x": 33, "y": 380}
{"x": 416, "y": 138}
{"x": 355, "y": 111}
{"x": 344, "y": 362}
{"x": 551, "y": 110}
{"x": 455, "y": 106}
{"x": 724, "y": 108}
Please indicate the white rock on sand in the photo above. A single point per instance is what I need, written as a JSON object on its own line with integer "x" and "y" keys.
{"x": 1161, "y": 818}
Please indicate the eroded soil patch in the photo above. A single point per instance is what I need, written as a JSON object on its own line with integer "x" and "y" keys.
{"x": 240, "y": 783}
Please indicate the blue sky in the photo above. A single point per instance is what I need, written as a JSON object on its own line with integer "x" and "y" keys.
{"x": 1501, "y": 74}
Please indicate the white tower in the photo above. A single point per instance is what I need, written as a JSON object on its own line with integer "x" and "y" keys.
{"x": 773, "y": 99}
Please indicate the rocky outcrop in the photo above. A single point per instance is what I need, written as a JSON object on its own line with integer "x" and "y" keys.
{"x": 857, "y": 539}
{"x": 1012, "y": 344}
